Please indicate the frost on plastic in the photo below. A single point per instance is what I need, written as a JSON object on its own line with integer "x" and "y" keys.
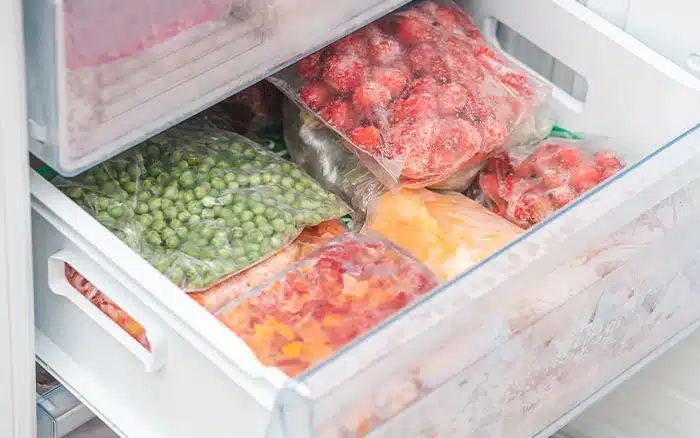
{"x": 418, "y": 95}
{"x": 306, "y": 313}
{"x": 229, "y": 290}
{"x": 447, "y": 231}
{"x": 107, "y": 306}
{"x": 98, "y": 32}
{"x": 528, "y": 183}
{"x": 202, "y": 204}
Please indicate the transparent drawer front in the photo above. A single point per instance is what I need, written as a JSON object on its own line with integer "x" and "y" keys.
{"x": 105, "y": 74}
{"x": 512, "y": 346}
{"x": 59, "y": 412}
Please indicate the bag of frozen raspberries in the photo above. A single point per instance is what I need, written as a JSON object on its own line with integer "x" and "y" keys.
{"x": 528, "y": 183}
{"x": 418, "y": 95}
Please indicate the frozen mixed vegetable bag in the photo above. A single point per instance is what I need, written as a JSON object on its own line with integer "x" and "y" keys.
{"x": 217, "y": 297}
{"x": 528, "y": 183}
{"x": 202, "y": 204}
{"x": 306, "y": 313}
{"x": 419, "y": 95}
{"x": 447, "y": 231}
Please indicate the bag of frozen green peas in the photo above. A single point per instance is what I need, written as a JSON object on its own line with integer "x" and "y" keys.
{"x": 202, "y": 204}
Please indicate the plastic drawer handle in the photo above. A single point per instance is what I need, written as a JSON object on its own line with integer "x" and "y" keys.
{"x": 58, "y": 283}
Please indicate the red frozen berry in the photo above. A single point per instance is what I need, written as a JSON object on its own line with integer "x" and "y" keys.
{"x": 457, "y": 140}
{"x": 458, "y": 22}
{"x": 367, "y": 138}
{"x": 384, "y": 51}
{"x": 370, "y": 96}
{"x": 412, "y": 28}
{"x": 452, "y": 99}
{"x": 393, "y": 79}
{"x": 414, "y": 107}
{"x": 585, "y": 177}
{"x": 417, "y": 142}
{"x": 353, "y": 44}
{"x": 488, "y": 58}
{"x": 422, "y": 57}
{"x": 532, "y": 207}
{"x": 494, "y": 134}
{"x": 553, "y": 178}
{"x": 339, "y": 114}
{"x": 608, "y": 164}
{"x": 426, "y": 84}
{"x": 309, "y": 68}
{"x": 570, "y": 157}
{"x": 343, "y": 72}
{"x": 562, "y": 196}
{"x": 316, "y": 95}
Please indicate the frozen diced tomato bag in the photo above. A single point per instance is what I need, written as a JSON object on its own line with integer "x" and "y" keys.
{"x": 107, "y": 306}
{"x": 527, "y": 184}
{"x": 419, "y": 95}
{"x": 217, "y": 297}
{"x": 306, "y": 313}
{"x": 100, "y": 31}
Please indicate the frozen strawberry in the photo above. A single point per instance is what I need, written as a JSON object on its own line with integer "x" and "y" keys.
{"x": 419, "y": 161}
{"x": 343, "y": 72}
{"x": 571, "y": 157}
{"x": 457, "y": 138}
{"x": 553, "y": 178}
{"x": 367, "y": 138}
{"x": 532, "y": 207}
{"x": 316, "y": 95}
{"x": 585, "y": 177}
{"x": 414, "y": 107}
{"x": 440, "y": 70}
{"x": 393, "y": 79}
{"x": 413, "y": 28}
{"x": 422, "y": 57}
{"x": 370, "y": 96}
{"x": 309, "y": 68}
{"x": 493, "y": 132}
{"x": 426, "y": 84}
{"x": 384, "y": 51}
{"x": 450, "y": 16}
{"x": 353, "y": 44}
{"x": 608, "y": 164}
{"x": 452, "y": 99}
{"x": 562, "y": 196}
{"x": 339, "y": 114}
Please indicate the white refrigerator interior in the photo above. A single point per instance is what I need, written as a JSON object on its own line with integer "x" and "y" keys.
{"x": 592, "y": 300}
{"x": 17, "y": 403}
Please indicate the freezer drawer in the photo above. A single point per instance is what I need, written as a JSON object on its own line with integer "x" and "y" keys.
{"x": 105, "y": 74}
{"x": 478, "y": 356}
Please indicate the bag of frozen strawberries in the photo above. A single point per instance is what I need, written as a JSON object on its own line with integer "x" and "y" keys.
{"x": 529, "y": 183}
{"x": 419, "y": 95}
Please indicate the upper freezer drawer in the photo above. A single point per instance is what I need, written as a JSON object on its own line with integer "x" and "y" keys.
{"x": 106, "y": 74}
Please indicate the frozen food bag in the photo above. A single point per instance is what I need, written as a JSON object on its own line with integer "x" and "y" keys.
{"x": 528, "y": 183}
{"x": 418, "y": 95}
{"x": 251, "y": 111}
{"x": 344, "y": 289}
{"x": 202, "y": 204}
{"x": 98, "y": 32}
{"x": 107, "y": 306}
{"x": 447, "y": 231}
{"x": 319, "y": 151}
{"x": 217, "y": 297}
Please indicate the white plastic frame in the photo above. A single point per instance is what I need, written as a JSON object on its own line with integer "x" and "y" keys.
{"x": 58, "y": 283}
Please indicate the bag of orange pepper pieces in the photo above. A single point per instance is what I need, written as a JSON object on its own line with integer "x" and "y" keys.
{"x": 418, "y": 95}
{"x": 525, "y": 185}
{"x": 107, "y": 306}
{"x": 323, "y": 302}
{"x": 217, "y": 297}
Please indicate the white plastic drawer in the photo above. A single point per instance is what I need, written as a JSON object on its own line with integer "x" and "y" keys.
{"x": 105, "y": 74}
{"x": 475, "y": 358}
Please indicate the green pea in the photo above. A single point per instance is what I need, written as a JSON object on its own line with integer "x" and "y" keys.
{"x": 247, "y": 215}
{"x": 75, "y": 192}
